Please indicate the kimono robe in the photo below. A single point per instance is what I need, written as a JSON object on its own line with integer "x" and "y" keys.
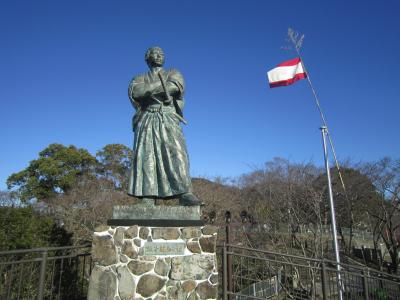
{"x": 160, "y": 165}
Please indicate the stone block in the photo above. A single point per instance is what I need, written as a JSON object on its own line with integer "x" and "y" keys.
{"x": 104, "y": 251}
{"x": 137, "y": 242}
{"x": 167, "y": 233}
{"x": 194, "y": 267}
{"x": 126, "y": 283}
{"x": 139, "y": 267}
{"x": 150, "y": 284}
{"x": 207, "y": 290}
{"x": 103, "y": 283}
{"x": 208, "y": 244}
{"x": 119, "y": 236}
{"x": 144, "y": 232}
{"x": 131, "y": 232}
{"x": 191, "y": 232}
{"x": 175, "y": 291}
{"x": 161, "y": 267}
{"x": 194, "y": 247}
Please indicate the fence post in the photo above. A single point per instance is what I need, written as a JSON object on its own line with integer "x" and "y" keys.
{"x": 42, "y": 274}
{"x": 324, "y": 281}
{"x": 365, "y": 284}
{"x": 229, "y": 257}
{"x": 224, "y": 272}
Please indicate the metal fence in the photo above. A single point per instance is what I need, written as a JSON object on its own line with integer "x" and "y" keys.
{"x": 45, "y": 273}
{"x": 63, "y": 273}
{"x": 257, "y": 274}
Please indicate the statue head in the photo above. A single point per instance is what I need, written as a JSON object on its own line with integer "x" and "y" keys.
{"x": 154, "y": 57}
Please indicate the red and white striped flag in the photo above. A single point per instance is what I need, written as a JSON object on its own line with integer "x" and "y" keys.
{"x": 286, "y": 73}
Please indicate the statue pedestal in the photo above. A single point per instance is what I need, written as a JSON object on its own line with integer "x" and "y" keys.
{"x": 149, "y": 261}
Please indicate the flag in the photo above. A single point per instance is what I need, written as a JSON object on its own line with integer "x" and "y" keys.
{"x": 286, "y": 73}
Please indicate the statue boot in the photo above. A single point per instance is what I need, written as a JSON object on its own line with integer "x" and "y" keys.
{"x": 188, "y": 199}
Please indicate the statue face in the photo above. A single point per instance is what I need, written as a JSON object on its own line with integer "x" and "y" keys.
{"x": 155, "y": 58}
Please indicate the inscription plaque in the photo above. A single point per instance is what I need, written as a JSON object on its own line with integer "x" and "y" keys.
{"x": 162, "y": 248}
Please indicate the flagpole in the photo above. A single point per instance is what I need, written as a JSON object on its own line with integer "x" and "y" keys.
{"x": 325, "y": 132}
{"x": 323, "y": 120}
{"x": 297, "y": 45}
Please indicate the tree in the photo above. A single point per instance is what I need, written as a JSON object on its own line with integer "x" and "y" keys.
{"x": 282, "y": 198}
{"x": 218, "y": 197}
{"x": 115, "y": 163}
{"x": 385, "y": 175}
{"x": 87, "y": 205}
{"x": 286, "y": 207}
{"x": 55, "y": 171}
{"x": 73, "y": 187}
{"x": 24, "y": 228}
{"x": 351, "y": 204}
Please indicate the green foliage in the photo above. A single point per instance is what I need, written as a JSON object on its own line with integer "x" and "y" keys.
{"x": 74, "y": 187}
{"x": 55, "y": 171}
{"x": 115, "y": 160}
{"x": 22, "y": 228}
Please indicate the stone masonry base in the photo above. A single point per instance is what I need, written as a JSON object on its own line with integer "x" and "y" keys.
{"x": 124, "y": 269}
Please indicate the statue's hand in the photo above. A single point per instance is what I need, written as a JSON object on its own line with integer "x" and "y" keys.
{"x": 152, "y": 89}
{"x": 160, "y": 94}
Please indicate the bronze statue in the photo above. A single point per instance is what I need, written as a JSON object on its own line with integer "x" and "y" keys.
{"x": 160, "y": 165}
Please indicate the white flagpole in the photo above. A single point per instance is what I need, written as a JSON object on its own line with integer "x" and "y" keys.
{"x": 325, "y": 132}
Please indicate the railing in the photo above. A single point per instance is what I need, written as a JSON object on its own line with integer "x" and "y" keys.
{"x": 258, "y": 274}
{"x": 63, "y": 273}
{"x": 45, "y": 273}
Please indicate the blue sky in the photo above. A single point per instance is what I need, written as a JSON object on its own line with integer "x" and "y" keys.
{"x": 65, "y": 68}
